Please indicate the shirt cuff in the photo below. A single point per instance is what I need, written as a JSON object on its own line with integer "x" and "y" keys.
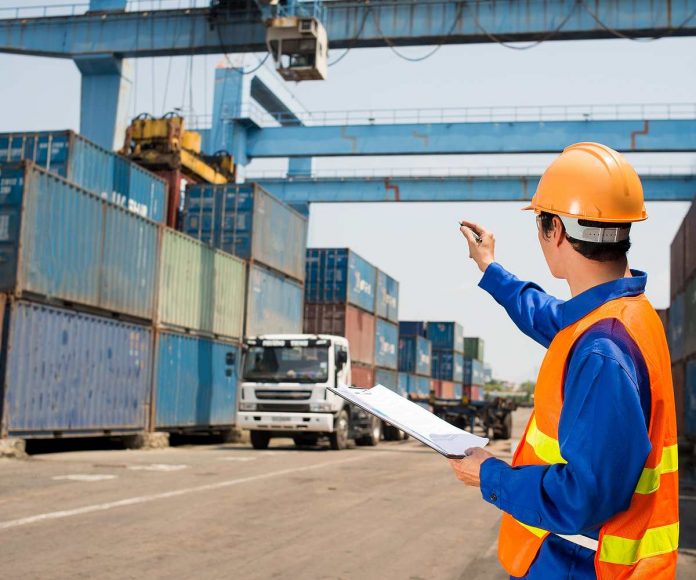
{"x": 494, "y": 276}
{"x": 490, "y": 476}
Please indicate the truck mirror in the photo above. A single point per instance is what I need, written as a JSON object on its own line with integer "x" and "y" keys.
{"x": 341, "y": 359}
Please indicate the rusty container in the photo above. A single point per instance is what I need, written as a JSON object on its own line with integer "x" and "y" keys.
{"x": 355, "y": 324}
{"x": 362, "y": 376}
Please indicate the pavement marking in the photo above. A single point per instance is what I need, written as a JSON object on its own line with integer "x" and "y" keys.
{"x": 237, "y": 458}
{"x": 157, "y": 467}
{"x": 169, "y": 494}
{"x": 84, "y": 477}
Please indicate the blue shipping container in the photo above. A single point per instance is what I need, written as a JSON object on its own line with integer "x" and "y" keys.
{"x": 386, "y": 344}
{"x": 413, "y": 328}
{"x": 418, "y": 387}
{"x": 387, "y": 301}
{"x": 274, "y": 303}
{"x": 676, "y": 327}
{"x": 690, "y": 399}
{"x": 196, "y": 382}
{"x": 415, "y": 355}
{"x": 448, "y": 366}
{"x": 403, "y": 384}
{"x": 474, "y": 373}
{"x": 339, "y": 275}
{"x": 446, "y": 336}
{"x": 71, "y": 372}
{"x": 59, "y": 241}
{"x": 91, "y": 167}
{"x": 248, "y": 222}
{"x": 387, "y": 378}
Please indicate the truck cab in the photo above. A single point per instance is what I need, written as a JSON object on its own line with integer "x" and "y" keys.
{"x": 284, "y": 392}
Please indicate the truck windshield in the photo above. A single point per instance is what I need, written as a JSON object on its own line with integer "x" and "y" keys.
{"x": 297, "y": 364}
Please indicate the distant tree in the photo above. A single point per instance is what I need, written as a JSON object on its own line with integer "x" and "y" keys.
{"x": 528, "y": 387}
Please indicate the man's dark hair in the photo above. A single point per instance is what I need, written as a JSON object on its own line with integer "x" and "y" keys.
{"x": 601, "y": 252}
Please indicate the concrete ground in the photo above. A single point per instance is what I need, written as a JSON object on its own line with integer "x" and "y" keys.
{"x": 227, "y": 511}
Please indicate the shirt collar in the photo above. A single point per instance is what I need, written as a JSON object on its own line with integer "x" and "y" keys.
{"x": 581, "y": 305}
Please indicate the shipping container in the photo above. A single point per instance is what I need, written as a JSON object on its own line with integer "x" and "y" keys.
{"x": 677, "y": 324}
{"x": 90, "y": 167}
{"x": 386, "y": 344}
{"x": 415, "y": 355}
{"x": 200, "y": 289}
{"x": 690, "y": 319}
{"x": 60, "y": 242}
{"x": 690, "y": 400}
{"x": 448, "y": 365}
{"x": 446, "y": 336}
{"x": 473, "y": 392}
{"x": 72, "y": 373}
{"x": 689, "y": 227}
{"x": 274, "y": 303}
{"x": 248, "y": 222}
{"x": 487, "y": 373}
{"x": 677, "y": 262}
{"x": 678, "y": 380}
{"x": 664, "y": 318}
{"x": 362, "y": 376}
{"x": 418, "y": 386}
{"x": 195, "y": 382}
{"x": 387, "y": 378}
{"x": 387, "y": 305}
{"x": 473, "y": 372}
{"x": 413, "y": 328}
{"x": 356, "y": 325}
{"x": 339, "y": 275}
{"x": 403, "y": 384}
{"x": 474, "y": 347}
{"x": 447, "y": 390}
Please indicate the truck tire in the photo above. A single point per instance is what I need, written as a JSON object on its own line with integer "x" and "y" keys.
{"x": 373, "y": 438}
{"x": 505, "y": 429}
{"x": 339, "y": 438}
{"x": 260, "y": 439}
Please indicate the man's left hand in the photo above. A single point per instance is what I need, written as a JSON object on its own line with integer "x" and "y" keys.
{"x": 468, "y": 470}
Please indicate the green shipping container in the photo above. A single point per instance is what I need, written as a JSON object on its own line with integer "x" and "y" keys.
{"x": 473, "y": 347}
{"x": 200, "y": 289}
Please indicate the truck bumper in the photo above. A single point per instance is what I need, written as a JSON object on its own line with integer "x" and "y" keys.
{"x": 307, "y": 422}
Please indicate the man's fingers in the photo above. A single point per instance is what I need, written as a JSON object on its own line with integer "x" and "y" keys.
{"x": 468, "y": 234}
{"x": 478, "y": 228}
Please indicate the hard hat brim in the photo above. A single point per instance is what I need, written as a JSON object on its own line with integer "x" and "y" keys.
{"x": 537, "y": 209}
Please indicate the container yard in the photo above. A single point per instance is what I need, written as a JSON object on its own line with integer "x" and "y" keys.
{"x": 228, "y": 228}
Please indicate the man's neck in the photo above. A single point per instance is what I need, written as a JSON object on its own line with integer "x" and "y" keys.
{"x": 589, "y": 274}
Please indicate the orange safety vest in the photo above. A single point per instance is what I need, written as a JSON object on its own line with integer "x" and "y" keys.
{"x": 640, "y": 542}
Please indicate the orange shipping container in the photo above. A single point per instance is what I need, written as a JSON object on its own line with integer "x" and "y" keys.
{"x": 444, "y": 389}
{"x": 362, "y": 376}
{"x": 356, "y": 325}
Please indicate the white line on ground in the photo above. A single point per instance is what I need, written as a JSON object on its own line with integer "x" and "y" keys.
{"x": 157, "y": 467}
{"x": 84, "y": 477}
{"x": 237, "y": 458}
{"x": 169, "y": 494}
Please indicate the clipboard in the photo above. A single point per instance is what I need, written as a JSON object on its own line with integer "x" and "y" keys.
{"x": 411, "y": 418}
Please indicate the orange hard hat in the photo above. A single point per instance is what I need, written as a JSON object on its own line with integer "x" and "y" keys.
{"x": 593, "y": 182}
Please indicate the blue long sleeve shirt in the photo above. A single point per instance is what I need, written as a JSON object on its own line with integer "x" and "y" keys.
{"x": 603, "y": 428}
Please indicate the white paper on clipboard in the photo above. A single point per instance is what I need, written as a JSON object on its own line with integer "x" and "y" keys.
{"x": 412, "y": 418}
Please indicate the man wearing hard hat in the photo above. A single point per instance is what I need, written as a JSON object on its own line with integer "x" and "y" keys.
{"x": 593, "y": 486}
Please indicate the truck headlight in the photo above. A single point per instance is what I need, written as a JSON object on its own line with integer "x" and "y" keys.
{"x": 320, "y": 407}
{"x": 247, "y": 406}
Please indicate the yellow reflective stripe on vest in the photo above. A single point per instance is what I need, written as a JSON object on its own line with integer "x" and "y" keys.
{"x": 656, "y": 541}
{"x": 546, "y": 448}
{"x": 538, "y": 532}
{"x": 649, "y": 481}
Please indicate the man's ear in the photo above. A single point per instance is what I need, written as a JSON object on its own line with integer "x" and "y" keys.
{"x": 558, "y": 231}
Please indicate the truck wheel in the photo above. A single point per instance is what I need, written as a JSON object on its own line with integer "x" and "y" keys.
{"x": 506, "y": 428}
{"x": 373, "y": 438}
{"x": 260, "y": 439}
{"x": 339, "y": 438}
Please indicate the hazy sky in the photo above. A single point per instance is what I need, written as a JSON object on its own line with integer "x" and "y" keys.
{"x": 419, "y": 244}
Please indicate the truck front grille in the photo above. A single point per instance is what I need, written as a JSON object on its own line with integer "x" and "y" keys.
{"x": 282, "y": 407}
{"x": 282, "y": 395}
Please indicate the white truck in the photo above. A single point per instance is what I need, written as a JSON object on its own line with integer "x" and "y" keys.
{"x": 283, "y": 392}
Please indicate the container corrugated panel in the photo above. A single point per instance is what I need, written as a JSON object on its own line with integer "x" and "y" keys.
{"x": 446, "y": 390}
{"x": 356, "y": 325}
{"x": 689, "y": 227}
{"x": 403, "y": 384}
{"x": 336, "y": 275}
{"x": 675, "y": 335}
{"x": 196, "y": 381}
{"x": 386, "y": 344}
{"x": 448, "y": 365}
{"x": 446, "y": 336}
{"x": 690, "y": 400}
{"x": 690, "y": 319}
{"x": 663, "y": 314}
{"x": 387, "y": 378}
{"x": 248, "y": 222}
{"x": 415, "y": 355}
{"x": 419, "y": 387}
{"x": 362, "y": 376}
{"x": 413, "y": 328}
{"x": 473, "y": 372}
{"x": 678, "y": 380}
{"x": 71, "y": 372}
{"x": 91, "y": 167}
{"x": 230, "y": 294}
{"x": 387, "y": 301}
{"x": 274, "y": 303}
{"x": 474, "y": 347}
{"x": 473, "y": 392}
{"x": 677, "y": 261}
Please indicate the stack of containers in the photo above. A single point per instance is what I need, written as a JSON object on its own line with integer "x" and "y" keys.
{"x": 248, "y": 222}
{"x": 387, "y": 332}
{"x": 474, "y": 372}
{"x": 447, "y": 340}
{"x": 415, "y": 361}
{"x": 340, "y": 298}
{"x": 681, "y": 323}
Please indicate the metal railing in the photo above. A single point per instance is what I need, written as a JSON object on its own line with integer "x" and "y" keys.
{"x": 76, "y": 9}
